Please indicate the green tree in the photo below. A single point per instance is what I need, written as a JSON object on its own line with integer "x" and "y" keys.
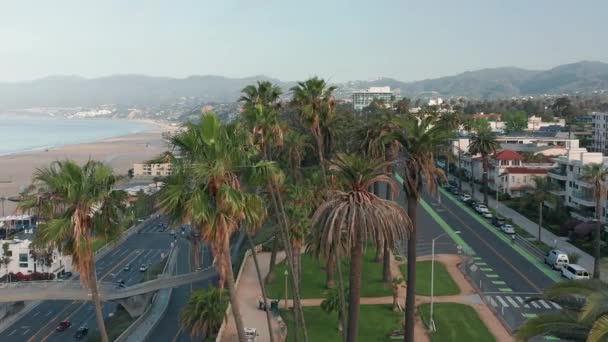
{"x": 6, "y": 258}
{"x": 515, "y": 121}
{"x": 597, "y": 175}
{"x": 332, "y": 303}
{"x": 263, "y": 94}
{"x": 70, "y": 199}
{"x": 563, "y": 108}
{"x": 358, "y": 215}
{"x": 484, "y": 142}
{"x": 541, "y": 194}
{"x": 204, "y": 313}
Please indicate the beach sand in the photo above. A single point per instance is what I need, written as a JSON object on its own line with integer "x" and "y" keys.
{"x": 120, "y": 153}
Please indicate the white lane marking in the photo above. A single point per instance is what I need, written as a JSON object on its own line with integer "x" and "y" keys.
{"x": 25, "y": 332}
{"x": 514, "y": 303}
{"x": 543, "y": 303}
{"x": 521, "y": 300}
{"x": 502, "y": 302}
{"x": 36, "y": 314}
{"x": 11, "y": 334}
{"x": 557, "y": 306}
{"x": 49, "y": 313}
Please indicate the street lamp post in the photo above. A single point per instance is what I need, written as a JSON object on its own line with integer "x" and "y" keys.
{"x": 431, "y": 321}
{"x": 286, "y": 274}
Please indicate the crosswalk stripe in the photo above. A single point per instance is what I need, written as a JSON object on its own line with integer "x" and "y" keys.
{"x": 543, "y": 303}
{"x": 535, "y": 304}
{"x": 514, "y": 303}
{"x": 557, "y": 306}
{"x": 502, "y": 302}
{"x": 492, "y": 301}
{"x": 521, "y": 300}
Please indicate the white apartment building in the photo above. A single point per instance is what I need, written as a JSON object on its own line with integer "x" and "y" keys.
{"x": 557, "y": 144}
{"x": 364, "y": 98}
{"x": 21, "y": 260}
{"x": 153, "y": 170}
{"x": 571, "y": 188}
{"x": 599, "y": 132}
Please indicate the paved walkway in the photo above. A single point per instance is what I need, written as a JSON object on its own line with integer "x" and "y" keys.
{"x": 248, "y": 291}
{"x": 561, "y": 243}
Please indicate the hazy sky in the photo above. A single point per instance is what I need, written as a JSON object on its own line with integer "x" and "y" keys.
{"x": 290, "y": 40}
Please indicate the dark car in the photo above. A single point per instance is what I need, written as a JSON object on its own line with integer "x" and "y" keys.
{"x": 81, "y": 332}
{"x": 64, "y": 275}
{"x": 120, "y": 283}
{"x": 498, "y": 221}
{"x": 472, "y": 203}
{"x": 63, "y": 326}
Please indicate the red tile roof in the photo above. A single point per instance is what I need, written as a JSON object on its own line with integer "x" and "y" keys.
{"x": 526, "y": 170}
{"x": 508, "y": 155}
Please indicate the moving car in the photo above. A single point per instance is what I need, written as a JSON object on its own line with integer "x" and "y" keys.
{"x": 556, "y": 259}
{"x": 574, "y": 272}
{"x": 507, "y": 228}
{"x": 63, "y": 326}
{"x": 64, "y": 275}
{"x": 498, "y": 221}
{"x": 120, "y": 283}
{"x": 127, "y": 267}
{"x": 143, "y": 268}
{"x": 465, "y": 197}
{"x": 81, "y": 332}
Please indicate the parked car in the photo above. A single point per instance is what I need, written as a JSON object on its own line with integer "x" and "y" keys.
{"x": 556, "y": 259}
{"x": 172, "y": 232}
{"x": 480, "y": 208}
{"x": 487, "y": 214}
{"x": 127, "y": 267}
{"x": 454, "y": 190}
{"x": 507, "y": 228}
{"x": 143, "y": 268}
{"x": 465, "y": 197}
{"x": 82, "y": 332}
{"x": 498, "y": 221}
{"x": 574, "y": 272}
{"x": 64, "y": 275}
{"x": 63, "y": 326}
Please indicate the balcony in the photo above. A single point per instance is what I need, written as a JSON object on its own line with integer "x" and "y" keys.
{"x": 583, "y": 214}
{"x": 558, "y": 174}
{"x": 583, "y": 198}
{"x": 558, "y": 192}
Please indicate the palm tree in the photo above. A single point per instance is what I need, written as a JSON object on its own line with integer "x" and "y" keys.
{"x": 583, "y": 316}
{"x": 419, "y": 137}
{"x": 332, "y": 303}
{"x": 358, "y": 215}
{"x": 265, "y": 94}
{"x": 73, "y": 200}
{"x": 396, "y": 284}
{"x": 204, "y": 313}
{"x": 315, "y": 103}
{"x": 484, "y": 142}
{"x": 299, "y": 206}
{"x": 597, "y": 175}
{"x": 205, "y": 189}
{"x": 540, "y": 195}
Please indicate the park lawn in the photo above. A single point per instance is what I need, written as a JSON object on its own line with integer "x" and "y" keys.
{"x": 376, "y": 322}
{"x": 444, "y": 284}
{"x": 313, "y": 278}
{"x": 456, "y": 322}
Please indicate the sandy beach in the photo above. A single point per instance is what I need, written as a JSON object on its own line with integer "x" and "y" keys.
{"x": 120, "y": 153}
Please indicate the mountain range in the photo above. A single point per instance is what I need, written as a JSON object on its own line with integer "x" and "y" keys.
{"x": 140, "y": 90}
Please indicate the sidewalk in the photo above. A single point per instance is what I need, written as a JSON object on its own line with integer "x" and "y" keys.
{"x": 550, "y": 239}
{"x": 248, "y": 291}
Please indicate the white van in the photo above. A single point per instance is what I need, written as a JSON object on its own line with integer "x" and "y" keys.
{"x": 556, "y": 259}
{"x": 575, "y": 272}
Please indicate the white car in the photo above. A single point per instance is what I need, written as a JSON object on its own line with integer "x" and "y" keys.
{"x": 486, "y": 214}
{"x": 143, "y": 268}
{"x": 507, "y": 228}
{"x": 465, "y": 197}
{"x": 574, "y": 271}
{"x": 480, "y": 208}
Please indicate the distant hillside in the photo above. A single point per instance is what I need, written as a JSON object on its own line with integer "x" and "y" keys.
{"x": 139, "y": 90}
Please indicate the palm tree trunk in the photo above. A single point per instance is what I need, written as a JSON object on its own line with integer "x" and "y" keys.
{"x": 386, "y": 264}
{"x": 330, "y": 267}
{"x": 598, "y": 233}
{"x": 540, "y": 219}
{"x": 273, "y": 260}
{"x": 297, "y": 268}
{"x": 341, "y": 292}
{"x": 485, "y": 180}
{"x": 96, "y": 300}
{"x": 472, "y": 180}
{"x": 379, "y": 248}
{"x": 262, "y": 287}
{"x": 410, "y": 298}
{"x": 459, "y": 167}
{"x": 356, "y": 262}
{"x": 236, "y": 312}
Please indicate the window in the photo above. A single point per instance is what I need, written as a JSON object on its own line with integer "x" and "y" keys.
{"x": 516, "y": 162}
{"x": 23, "y": 260}
{"x": 513, "y": 179}
{"x": 504, "y": 162}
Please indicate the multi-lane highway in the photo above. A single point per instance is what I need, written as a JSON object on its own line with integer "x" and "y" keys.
{"x": 144, "y": 247}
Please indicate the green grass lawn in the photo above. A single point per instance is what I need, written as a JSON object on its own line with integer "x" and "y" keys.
{"x": 313, "y": 278}
{"x": 456, "y": 322}
{"x": 444, "y": 284}
{"x": 375, "y": 324}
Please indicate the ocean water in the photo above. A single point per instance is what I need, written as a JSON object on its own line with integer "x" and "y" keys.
{"x": 26, "y": 133}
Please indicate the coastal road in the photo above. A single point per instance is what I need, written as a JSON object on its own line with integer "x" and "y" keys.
{"x": 40, "y": 323}
{"x": 507, "y": 274}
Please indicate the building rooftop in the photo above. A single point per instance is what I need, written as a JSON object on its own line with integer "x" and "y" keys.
{"x": 508, "y": 155}
{"x": 375, "y": 90}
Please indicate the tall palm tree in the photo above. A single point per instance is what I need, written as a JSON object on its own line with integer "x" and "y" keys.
{"x": 484, "y": 142}
{"x": 597, "y": 176}
{"x": 299, "y": 205}
{"x": 419, "y": 137}
{"x": 358, "y": 215}
{"x": 583, "y": 316}
{"x": 206, "y": 190}
{"x": 315, "y": 103}
{"x": 540, "y": 195}
{"x": 264, "y": 93}
{"x": 74, "y": 201}
{"x": 204, "y": 313}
